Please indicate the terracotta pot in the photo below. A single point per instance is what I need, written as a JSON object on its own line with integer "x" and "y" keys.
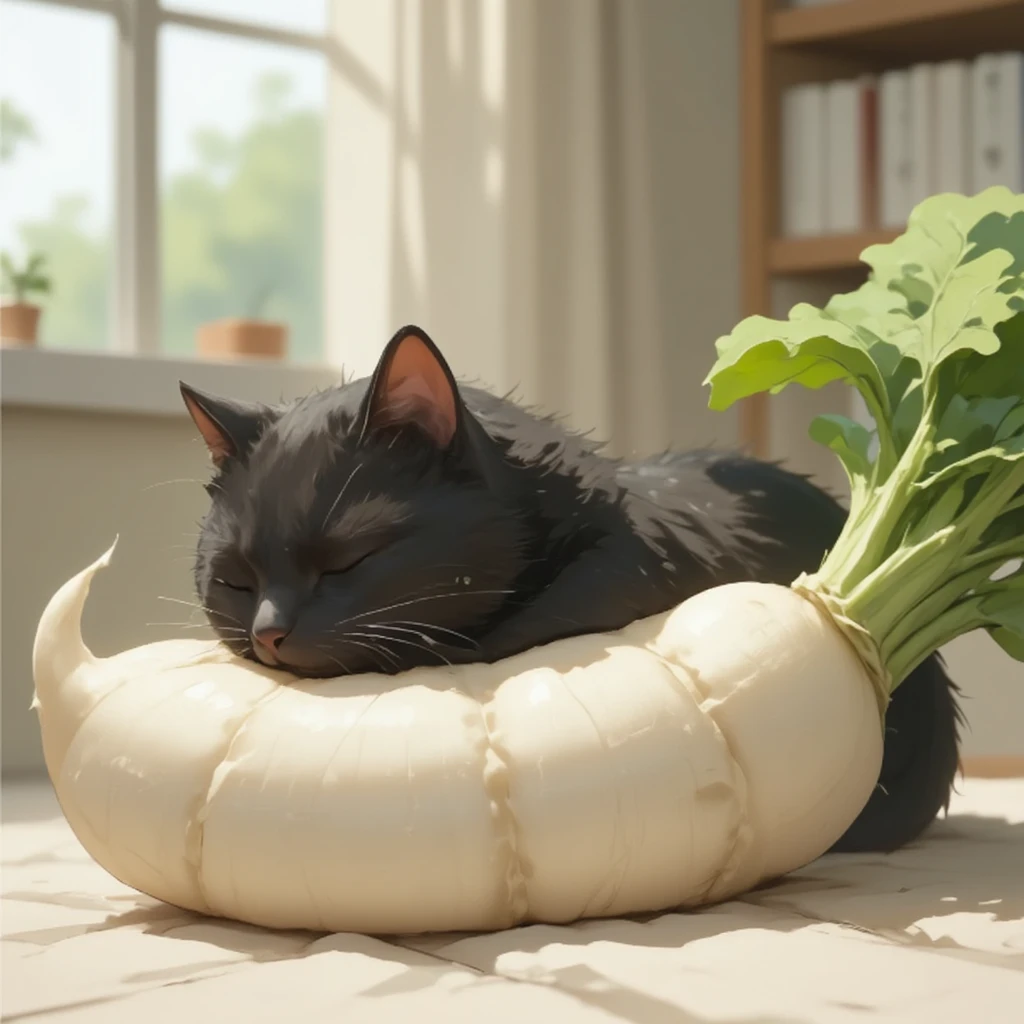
{"x": 238, "y": 338}
{"x": 19, "y": 322}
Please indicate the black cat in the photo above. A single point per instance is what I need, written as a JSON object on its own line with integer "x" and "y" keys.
{"x": 403, "y": 520}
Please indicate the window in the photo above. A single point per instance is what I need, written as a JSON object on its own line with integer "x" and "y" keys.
{"x": 176, "y": 179}
{"x": 241, "y": 186}
{"x": 57, "y": 160}
{"x": 297, "y": 15}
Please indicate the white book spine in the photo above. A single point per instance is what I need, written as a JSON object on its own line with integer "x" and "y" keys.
{"x": 803, "y": 160}
{"x": 985, "y": 145}
{"x": 843, "y": 187}
{"x": 953, "y": 127}
{"x": 894, "y": 151}
{"x": 1012, "y": 122}
{"x": 922, "y": 122}
{"x": 998, "y": 112}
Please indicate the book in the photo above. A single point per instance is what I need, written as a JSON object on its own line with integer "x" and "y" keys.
{"x": 920, "y": 85}
{"x": 869, "y": 150}
{"x": 894, "y": 148}
{"x": 803, "y": 160}
{"x": 842, "y": 158}
{"x": 997, "y": 107}
{"x": 906, "y": 115}
{"x": 850, "y": 155}
{"x": 952, "y": 103}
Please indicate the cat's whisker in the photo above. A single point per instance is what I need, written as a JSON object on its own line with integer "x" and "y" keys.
{"x": 421, "y": 629}
{"x": 377, "y": 651}
{"x": 181, "y": 600}
{"x": 164, "y": 483}
{"x": 200, "y": 607}
{"x": 432, "y": 651}
{"x": 181, "y": 625}
{"x": 440, "y": 629}
{"x": 420, "y": 600}
{"x": 337, "y": 661}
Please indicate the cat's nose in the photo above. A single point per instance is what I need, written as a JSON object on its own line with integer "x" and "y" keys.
{"x": 269, "y": 637}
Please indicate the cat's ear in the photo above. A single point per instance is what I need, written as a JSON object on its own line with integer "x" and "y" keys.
{"x": 229, "y": 428}
{"x": 413, "y": 385}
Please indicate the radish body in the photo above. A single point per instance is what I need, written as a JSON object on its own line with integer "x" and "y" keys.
{"x": 677, "y": 762}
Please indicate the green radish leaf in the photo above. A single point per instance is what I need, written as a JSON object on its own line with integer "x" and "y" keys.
{"x": 850, "y": 441}
{"x": 997, "y": 375}
{"x": 934, "y": 341}
{"x": 1013, "y": 424}
{"x": 1008, "y": 526}
{"x": 938, "y": 232}
{"x": 1001, "y": 229}
{"x": 812, "y": 348}
{"x": 977, "y": 462}
{"x": 1004, "y": 610}
{"x": 934, "y": 296}
{"x": 967, "y": 305}
{"x": 950, "y": 265}
{"x": 1012, "y": 642}
{"x": 969, "y": 426}
{"x": 939, "y": 513}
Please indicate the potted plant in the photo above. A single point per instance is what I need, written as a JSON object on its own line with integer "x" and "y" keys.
{"x": 19, "y": 319}
{"x": 248, "y": 337}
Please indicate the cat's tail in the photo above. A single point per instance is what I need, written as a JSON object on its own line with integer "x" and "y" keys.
{"x": 919, "y": 765}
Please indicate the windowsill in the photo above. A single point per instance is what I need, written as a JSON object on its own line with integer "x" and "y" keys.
{"x": 143, "y": 384}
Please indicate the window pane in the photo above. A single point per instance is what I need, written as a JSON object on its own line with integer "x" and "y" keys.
{"x": 242, "y": 184}
{"x": 57, "y": 161}
{"x": 295, "y": 15}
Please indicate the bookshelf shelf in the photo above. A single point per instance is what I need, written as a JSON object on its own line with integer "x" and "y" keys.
{"x": 903, "y": 30}
{"x": 782, "y": 46}
{"x": 822, "y": 254}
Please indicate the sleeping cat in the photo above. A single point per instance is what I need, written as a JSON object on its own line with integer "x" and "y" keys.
{"x": 404, "y": 520}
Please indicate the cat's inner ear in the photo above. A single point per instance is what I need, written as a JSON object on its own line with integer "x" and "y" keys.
{"x": 228, "y": 428}
{"x": 413, "y": 385}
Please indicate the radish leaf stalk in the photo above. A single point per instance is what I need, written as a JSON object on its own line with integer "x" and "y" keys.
{"x": 934, "y": 342}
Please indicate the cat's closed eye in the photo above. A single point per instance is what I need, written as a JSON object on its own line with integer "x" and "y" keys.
{"x": 344, "y": 564}
{"x": 245, "y": 588}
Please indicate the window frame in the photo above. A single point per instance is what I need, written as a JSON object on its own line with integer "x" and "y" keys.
{"x": 135, "y": 229}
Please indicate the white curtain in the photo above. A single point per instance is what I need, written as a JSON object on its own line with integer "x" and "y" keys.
{"x": 550, "y": 188}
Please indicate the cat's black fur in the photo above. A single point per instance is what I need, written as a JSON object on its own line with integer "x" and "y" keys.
{"x": 402, "y": 520}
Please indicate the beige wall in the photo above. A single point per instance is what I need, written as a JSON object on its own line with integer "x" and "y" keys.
{"x": 71, "y": 481}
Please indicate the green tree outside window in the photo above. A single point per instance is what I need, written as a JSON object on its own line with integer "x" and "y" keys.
{"x": 241, "y": 233}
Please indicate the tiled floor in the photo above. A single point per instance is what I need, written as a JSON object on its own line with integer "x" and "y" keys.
{"x": 932, "y": 933}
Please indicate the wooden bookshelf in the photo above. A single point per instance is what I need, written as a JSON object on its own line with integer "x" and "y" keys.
{"x": 782, "y": 46}
{"x": 902, "y": 30}
{"x": 819, "y": 255}
{"x": 1009, "y": 766}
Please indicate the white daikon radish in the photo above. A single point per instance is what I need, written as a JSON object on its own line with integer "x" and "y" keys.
{"x": 678, "y": 762}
